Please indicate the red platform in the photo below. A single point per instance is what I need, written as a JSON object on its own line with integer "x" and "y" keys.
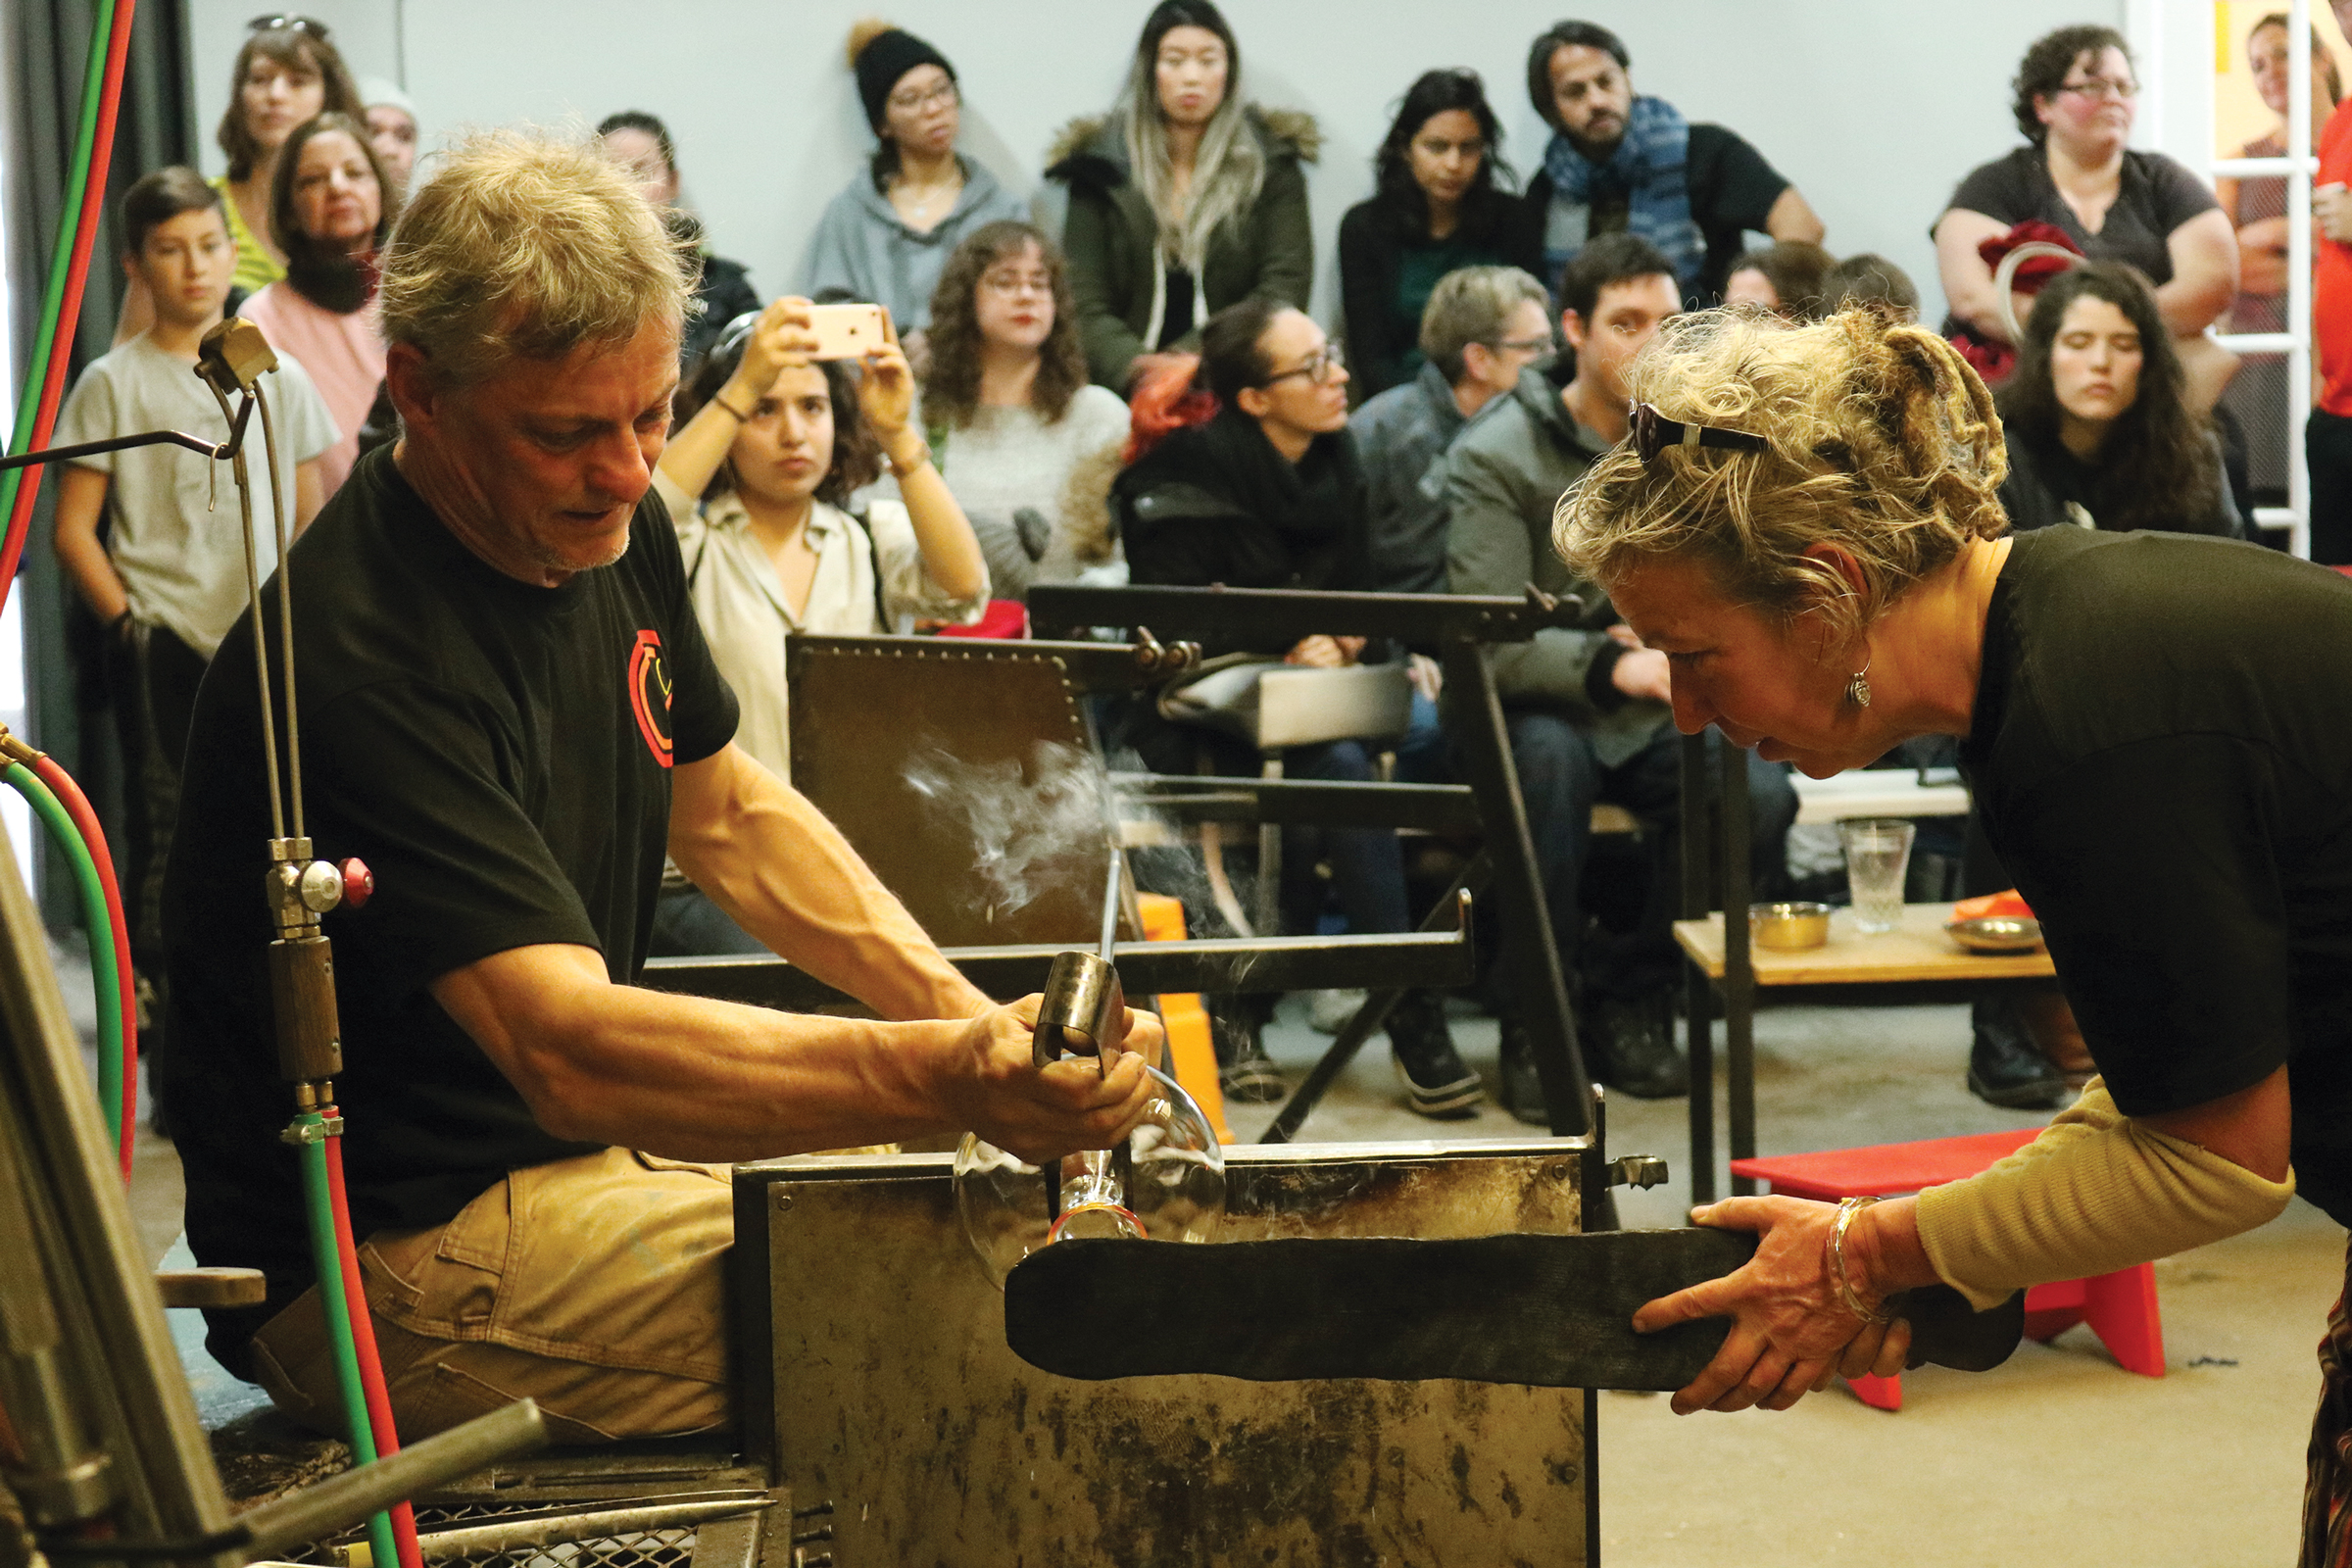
{"x": 2120, "y": 1307}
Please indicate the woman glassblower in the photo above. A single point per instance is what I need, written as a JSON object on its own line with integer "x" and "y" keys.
{"x": 1828, "y": 572}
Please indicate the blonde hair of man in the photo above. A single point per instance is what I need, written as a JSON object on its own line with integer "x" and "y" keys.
{"x": 1884, "y": 443}
{"x": 525, "y": 246}
{"x": 1473, "y": 305}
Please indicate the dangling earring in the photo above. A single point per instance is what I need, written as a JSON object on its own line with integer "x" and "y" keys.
{"x": 1858, "y": 689}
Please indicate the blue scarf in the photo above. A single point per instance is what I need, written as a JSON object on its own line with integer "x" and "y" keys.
{"x": 1649, "y": 166}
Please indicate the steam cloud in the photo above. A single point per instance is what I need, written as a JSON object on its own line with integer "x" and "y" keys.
{"x": 1022, "y": 818}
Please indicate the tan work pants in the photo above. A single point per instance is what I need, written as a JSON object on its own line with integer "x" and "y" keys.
{"x": 592, "y": 1285}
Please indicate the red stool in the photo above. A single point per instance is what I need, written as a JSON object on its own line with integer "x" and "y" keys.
{"x": 2120, "y": 1307}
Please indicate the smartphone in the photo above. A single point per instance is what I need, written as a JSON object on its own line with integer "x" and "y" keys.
{"x": 846, "y": 331}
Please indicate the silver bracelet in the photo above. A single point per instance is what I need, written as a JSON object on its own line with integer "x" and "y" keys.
{"x": 1847, "y": 1209}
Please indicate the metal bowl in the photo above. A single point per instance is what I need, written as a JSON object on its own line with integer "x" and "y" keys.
{"x": 1789, "y": 926}
{"x": 1997, "y": 933}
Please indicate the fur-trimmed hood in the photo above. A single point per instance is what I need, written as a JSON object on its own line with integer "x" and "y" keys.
{"x": 1089, "y": 153}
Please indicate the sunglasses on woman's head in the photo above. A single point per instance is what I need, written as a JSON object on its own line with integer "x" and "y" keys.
{"x": 287, "y": 23}
{"x": 1652, "y": 433}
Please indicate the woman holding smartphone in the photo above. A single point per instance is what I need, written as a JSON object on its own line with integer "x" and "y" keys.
{"x": 758, "y": 479}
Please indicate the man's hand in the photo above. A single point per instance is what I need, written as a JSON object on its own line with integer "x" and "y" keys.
{"x": 1325, "y": 653}
{"x": 1791, "y": 1331}
{"x": 997, "y": 1090}
{"x": 2331, "y": 212}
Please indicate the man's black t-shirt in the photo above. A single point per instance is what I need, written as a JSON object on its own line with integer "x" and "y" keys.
{"x": 2162, "y": 756}
{"x": 499, "y": 755}
{"x": 1733, "y": 189}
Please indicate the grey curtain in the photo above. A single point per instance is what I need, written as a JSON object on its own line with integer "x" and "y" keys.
{"x": 44, "y": 46}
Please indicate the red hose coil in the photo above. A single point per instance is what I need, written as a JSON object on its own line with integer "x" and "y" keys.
{"x": 363, "y": 1336}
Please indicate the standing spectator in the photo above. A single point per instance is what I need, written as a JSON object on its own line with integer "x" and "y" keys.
{"x": 2327, "y": 438}
{"x": 1028, "y": 444}
{"x": 2257, "y": 207}
{"x": 137, "y": 533}
{"x": 2095, "y": 415}
{"x": 640, "y": 143}
{"x": 1585, "y": 707}
{"x": 2074, "y": 103}
{"x": 886, "y": 237}
{"x": 1870, "y": 280}
{"x": 1786, "y": 277}
{"x": 330, "y": 214}
{"x": 392, "y": 132}
{"x": 1618, "y": 163}
{"x": 1183, "y": 201}
{"x": 1483, "y": 326}
{"x": 758, "y": 480}
{"x": 1268, "y": 494}
{"x": 1438, "y": 207}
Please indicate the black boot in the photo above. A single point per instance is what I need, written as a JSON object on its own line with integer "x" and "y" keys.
{"x": 1522, "y": 1085}
{"x": 1629, "y": 1045}
{"x": 1436, "y": 1082}
{"x": 1245, "y": 1074}
{"x": 2005, "y": 1067}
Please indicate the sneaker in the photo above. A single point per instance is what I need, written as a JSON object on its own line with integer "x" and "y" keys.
{"x": 1522, "y": 1085}
{"x": 2005, "y": 1066}
{"x": 1629, "y": 1046}
{"x": 1328, "y": 1011}
{"x": 1251, "y": 1078}
{"x": 1438, "y": 1083}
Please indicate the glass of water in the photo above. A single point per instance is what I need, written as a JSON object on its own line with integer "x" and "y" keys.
{"x": 1878, "y": 854}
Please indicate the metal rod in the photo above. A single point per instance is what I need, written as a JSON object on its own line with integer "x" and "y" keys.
{"x": 253, "y": 608}
{"x": 335, "y": 1503}
{"x": 1221, "y": 614}
{"x": 285, "y": 608}
{"x": 1114, "y": 885}
{"x": 120, "y": 443}
{"x": 542, "y": 1530}
{"x": 1738, "y": 969}
{"x": 1698, "y": 996}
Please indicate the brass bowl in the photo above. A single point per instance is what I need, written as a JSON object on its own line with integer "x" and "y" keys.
{"x": 1997, "y": 933}
{"x": 1789, "y": 927}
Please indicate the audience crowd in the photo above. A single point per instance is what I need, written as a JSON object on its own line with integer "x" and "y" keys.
{"x": 1139, "y": 392}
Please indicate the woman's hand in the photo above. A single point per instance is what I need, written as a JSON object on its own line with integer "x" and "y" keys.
{"x": 1325, "y": 653}
{"x": 1790, "y": 1332}
{"x": 886, "y": 392}
{"x": 781, "y": 339}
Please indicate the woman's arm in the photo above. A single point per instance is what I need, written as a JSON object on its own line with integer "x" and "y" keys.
{"x": 1367, "y": 290}
{"x": 950, "y": 551}
{"x": 693, "y": 453}
{"x": 1112, "y": 346}
{"x": 2262, "y": 257}
{"x": 2204, "y": 251}
{"x": 1966, "y": 281}
{"x": 1286, "y": 258}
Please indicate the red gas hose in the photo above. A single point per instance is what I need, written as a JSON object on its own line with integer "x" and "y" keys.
{"x": 363, "y": 1338}
{"x": 78, "y": 806}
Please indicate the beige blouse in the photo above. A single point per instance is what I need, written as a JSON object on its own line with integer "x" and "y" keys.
{"x": 870, "y": 580}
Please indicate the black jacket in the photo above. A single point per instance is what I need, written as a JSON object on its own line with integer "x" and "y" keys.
{"x": 1374, "y": 236}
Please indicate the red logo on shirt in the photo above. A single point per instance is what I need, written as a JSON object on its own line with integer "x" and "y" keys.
{"x": 649, "y": 694}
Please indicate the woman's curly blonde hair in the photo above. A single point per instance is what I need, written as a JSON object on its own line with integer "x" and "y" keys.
{"x": 1884, "y": 443}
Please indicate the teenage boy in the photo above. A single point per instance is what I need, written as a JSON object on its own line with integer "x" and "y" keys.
{"x": 152, "y": 537}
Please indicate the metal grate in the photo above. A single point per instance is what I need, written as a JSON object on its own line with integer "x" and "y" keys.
{"x": 636, "y": 1548}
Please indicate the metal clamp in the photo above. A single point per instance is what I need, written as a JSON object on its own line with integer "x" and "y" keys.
{"x": 1636, "y": 1170}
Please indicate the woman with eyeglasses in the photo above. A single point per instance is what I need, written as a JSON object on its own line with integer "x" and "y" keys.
{"x": 1185, "y": 200}
{"x": 1269, "y": 493}
{"x": 1027, "y": 443}
{"x": 330, "y": 210}
{"x": 2075, "y": 90}
{"x": 1439, "y": 207}
{"x": 641, "y": 144}
{"x": 758, "y": 477}
{"x": 2153, "y": 728}
{"x": 886, "y": 237}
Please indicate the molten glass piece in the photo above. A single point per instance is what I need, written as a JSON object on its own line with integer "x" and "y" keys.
{"x": 1166, "y": 1184}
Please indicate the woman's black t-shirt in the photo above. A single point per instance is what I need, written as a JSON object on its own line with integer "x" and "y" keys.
{"x": 500, "y": 756}
{"x": 2156, "y": 196}
{"x": 2162, "y": 756}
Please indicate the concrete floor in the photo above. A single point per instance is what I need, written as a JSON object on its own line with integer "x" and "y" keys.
{"x": 2059, "y": 1455}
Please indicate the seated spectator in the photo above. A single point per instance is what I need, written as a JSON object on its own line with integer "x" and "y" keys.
{"x": 1585, "y": 707}
{"x": 1870, "y": 281}
{"x": 286, "y": 73}
{"x": 640, "y": 143}
{"x": 886, "y": 237}
{"x": 330, "y": 216}
{"x": 2257, "y": 207}
{"x": 392, "y": 132}
{"x": 1185, "y": 200}
{"x": 2099, "y": 429}
{"x": 1483, "y": 326}
{"x": 1027, "y": 443}
{"x": 1268, "y": 494}
{"x": 2075, "y": 97}
{"x": 1786, "y": 277}
{"x": 1618, "y": 163}
{"x": 758, "y": 479}
{"x": 1437, "y": 208}
{"x": 162, "y": 571}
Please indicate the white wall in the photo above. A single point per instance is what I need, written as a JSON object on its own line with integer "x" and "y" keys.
{"x": 1874, "y": 109}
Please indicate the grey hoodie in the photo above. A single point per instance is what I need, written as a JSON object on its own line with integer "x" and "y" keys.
{"x": 864, "y": 247}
